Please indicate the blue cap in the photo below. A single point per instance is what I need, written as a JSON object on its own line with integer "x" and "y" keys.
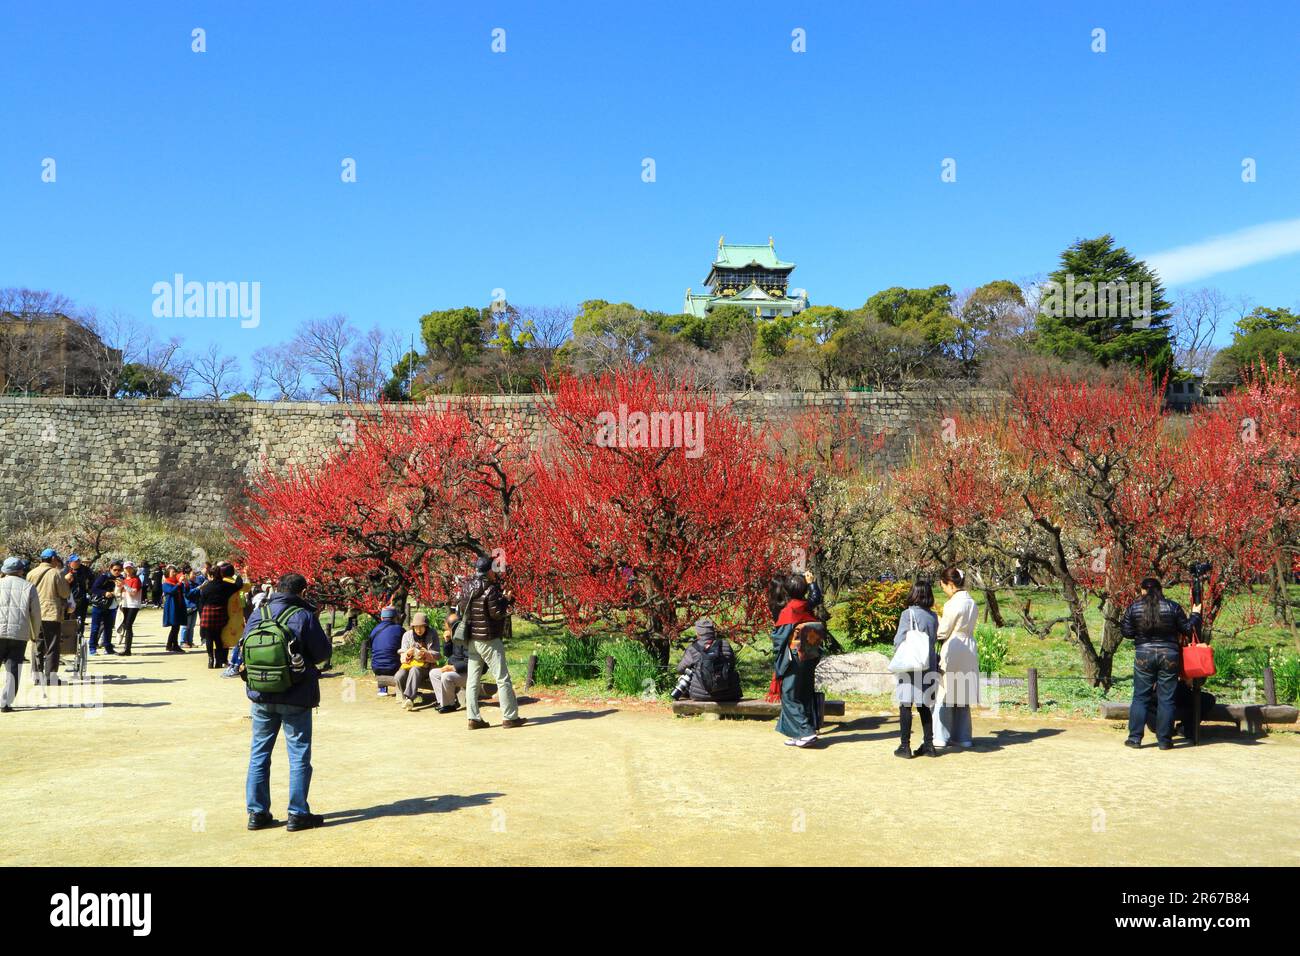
{"x": 388, "y": 613}
{"x": 73, "y": 557}
{"x": 12, "y": 565}
{"x": 49, "y": 553}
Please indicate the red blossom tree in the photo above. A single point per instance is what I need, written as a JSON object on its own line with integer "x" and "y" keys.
{"x": 406, "y": 501}
{"x": 654, "y": 505}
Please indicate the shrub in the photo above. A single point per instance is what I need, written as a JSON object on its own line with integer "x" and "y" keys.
{"x": 993, "y": 646}
{"x": 571, "y": 658}
{"x": 872, "y": 611}
{"x": 636, "y": 671}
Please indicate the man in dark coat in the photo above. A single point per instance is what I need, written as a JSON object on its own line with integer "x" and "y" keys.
{"x": 712, "y": 665}
{"x": 290, "y": 709}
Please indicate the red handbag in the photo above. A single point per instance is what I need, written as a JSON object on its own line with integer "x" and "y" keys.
{"x": 1198, "y": 660}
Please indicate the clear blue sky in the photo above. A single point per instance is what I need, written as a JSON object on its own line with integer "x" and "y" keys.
{"x": 522, "y": 170}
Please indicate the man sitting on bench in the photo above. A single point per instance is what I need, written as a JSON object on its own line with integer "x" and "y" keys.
{"x": 708, "y": 668}
{"x": 385, "y": 644}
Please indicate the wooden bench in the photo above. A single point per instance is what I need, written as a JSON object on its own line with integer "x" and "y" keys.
{"x": 486, "y": 691}
{"x": 1254, "y": 716}
{"x": 743, "y": 708}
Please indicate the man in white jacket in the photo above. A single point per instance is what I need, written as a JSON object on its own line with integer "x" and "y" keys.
{"x": 20, "y": 622}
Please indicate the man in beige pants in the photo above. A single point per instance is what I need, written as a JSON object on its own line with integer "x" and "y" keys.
{"x": 53, "y": 588}
{"x": 485, "y": 609}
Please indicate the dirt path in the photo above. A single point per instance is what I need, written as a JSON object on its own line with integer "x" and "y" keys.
{"x": 157, "y": 776}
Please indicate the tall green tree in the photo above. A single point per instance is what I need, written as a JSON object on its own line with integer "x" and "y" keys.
{"x": 1106, "y": 304}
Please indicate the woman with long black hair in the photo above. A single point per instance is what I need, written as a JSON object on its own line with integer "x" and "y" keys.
{"x": 796, "y": 648}
{"x": 1157, "y": 627}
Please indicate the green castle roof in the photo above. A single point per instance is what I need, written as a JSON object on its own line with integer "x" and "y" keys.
{"x": 737, "y": 256}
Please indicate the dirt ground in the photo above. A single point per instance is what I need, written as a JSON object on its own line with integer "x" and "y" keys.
{"x": 156, "y": 776}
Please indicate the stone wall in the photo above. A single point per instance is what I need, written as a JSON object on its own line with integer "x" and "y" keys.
{"x": 188, "y": 460}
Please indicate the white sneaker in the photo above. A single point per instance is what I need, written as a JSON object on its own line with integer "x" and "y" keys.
{"x": 408, "y": 704}
{"x": 806, "y": 741}
{"x": 793, "y": 741}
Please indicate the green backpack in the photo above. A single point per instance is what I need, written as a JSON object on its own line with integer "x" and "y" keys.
{"x": 267, "y": 667}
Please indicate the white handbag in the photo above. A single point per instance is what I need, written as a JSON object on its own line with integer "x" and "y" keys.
{"x": 914, "y": 653}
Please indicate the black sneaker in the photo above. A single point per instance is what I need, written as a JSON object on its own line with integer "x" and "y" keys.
{"x": 903, "y": 751}
{"x": 449, "y": 709}
{"x": 304, "y": 821}
{"x": 1133, "y": 743}
{"x": 260, "y": 821}
{"x": 1166, "y": 746}
{"x": 927, "y": 750}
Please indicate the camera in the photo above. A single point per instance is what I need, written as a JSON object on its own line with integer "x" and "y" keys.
{"x": 1201, "y": 570}
{"x": 683, "y": 684}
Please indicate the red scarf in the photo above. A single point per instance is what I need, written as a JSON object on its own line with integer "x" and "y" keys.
{"x": 795, "y": 612}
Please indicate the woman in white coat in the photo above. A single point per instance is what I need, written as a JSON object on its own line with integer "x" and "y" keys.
{"x": 959, "y": 662}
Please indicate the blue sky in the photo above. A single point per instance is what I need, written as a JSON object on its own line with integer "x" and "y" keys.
{"x": 522, "y": 170}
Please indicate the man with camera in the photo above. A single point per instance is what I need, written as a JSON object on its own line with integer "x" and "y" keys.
{"x": 483, "y": 613}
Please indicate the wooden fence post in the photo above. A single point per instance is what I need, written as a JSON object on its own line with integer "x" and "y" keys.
{"x": 1033, "y": 688}
{"x": 1270, "y": 687}
{"x": 609, "y": 672}
{"x": 532, "y": 672}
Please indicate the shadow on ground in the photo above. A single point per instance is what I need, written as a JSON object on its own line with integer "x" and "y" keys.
{"x": 413, "y": 807}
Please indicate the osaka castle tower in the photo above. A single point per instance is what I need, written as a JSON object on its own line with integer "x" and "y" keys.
{"x": 751, "y": 277}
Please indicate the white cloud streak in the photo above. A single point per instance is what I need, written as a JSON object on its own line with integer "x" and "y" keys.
{"x": 1234, "y": 250}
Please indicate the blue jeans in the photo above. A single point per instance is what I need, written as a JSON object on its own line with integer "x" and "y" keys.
{"x": 267, "y": 720}
{"x": 101, "y": 622}
{"x": 1155, "y": 678}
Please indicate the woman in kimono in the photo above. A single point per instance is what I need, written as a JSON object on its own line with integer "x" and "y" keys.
{"x": 916, "y": 688}
{"x": 796, "y": 649}
{"x": 959, "y": 662}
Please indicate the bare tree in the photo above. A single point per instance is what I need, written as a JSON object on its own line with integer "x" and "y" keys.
{"x": 283, "y": 368}
{"x": 370, "y": 361}
{"x": 324, "y": 346}
{"x": 31, "y": 329}
{"x": 216, "y": 375}
{"x": 1198, "y": 316}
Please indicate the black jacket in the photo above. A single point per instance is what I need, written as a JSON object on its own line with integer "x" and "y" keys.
{"x": 692, "y": 659}
{"x": 484, "y": 609}
{"x": 1172, "y": 626}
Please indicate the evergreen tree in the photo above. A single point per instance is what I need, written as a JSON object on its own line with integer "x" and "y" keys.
{"x": 1107, "y": 305}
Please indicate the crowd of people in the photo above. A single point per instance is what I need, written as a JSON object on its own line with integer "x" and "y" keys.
{"x": 280, "y": 649}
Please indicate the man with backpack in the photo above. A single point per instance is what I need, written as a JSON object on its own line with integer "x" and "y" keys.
{"x": 708, "y": 667}
{"x": 282, "y": 648}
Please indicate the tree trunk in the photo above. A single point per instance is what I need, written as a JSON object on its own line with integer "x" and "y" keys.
{"x": 991, "y": 607}
{"x": 1096, "y": 668}
{"x": 1280, "y": 595}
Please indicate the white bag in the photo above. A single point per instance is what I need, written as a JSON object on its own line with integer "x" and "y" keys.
{"x": 914, "y": 653}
